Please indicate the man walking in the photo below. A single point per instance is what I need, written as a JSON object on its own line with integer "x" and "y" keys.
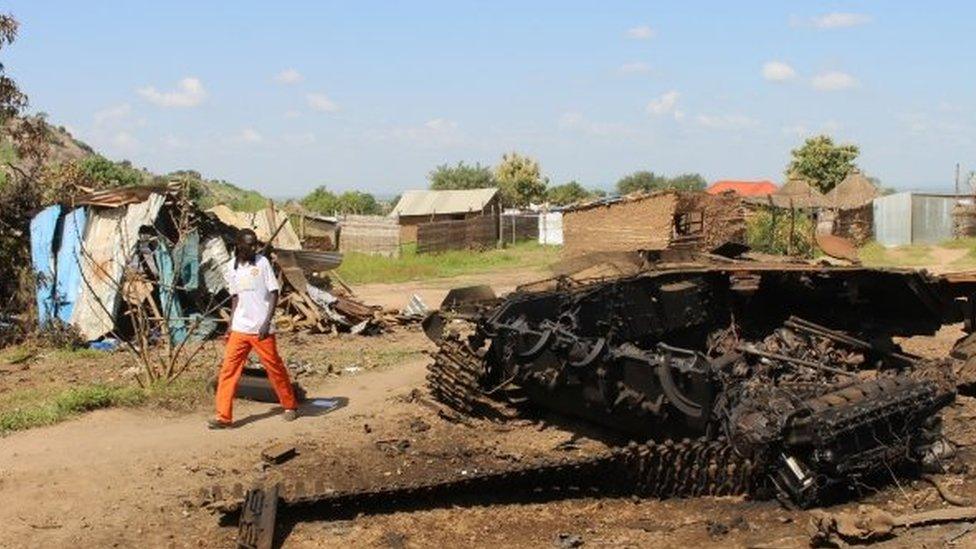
{"x": 254, "y": 296}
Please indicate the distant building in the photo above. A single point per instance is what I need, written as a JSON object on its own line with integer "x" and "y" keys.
{"x": 653, "y": 221}
{"x": 907, "y": 218}
{"x": 743, "y": 188}
{"x": 417, "y": 207}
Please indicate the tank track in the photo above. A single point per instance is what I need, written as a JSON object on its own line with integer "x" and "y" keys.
{"x": 454, "y": 380}
{"x": 686, "y": 468}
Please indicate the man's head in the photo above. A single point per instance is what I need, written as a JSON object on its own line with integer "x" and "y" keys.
{"x": 246, "y": 245}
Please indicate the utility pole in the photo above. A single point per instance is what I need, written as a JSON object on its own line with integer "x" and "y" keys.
{"x": 957, "y": 181}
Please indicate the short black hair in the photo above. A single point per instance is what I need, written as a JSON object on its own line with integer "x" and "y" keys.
{"x": 245, "y": 232}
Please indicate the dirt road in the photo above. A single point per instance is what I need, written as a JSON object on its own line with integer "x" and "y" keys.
{"x": 131, "y": 478}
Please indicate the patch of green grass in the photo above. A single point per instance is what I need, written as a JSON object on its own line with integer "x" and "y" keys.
{"x": 960, "y": 243}
{"x": 81, "y": 353}
{"x": 362, "y": 269}
{"x": 35, "y": 407}
{"x": 873, "y": 254}
{"x": 29, "y": 408}
{"x": 17, "y": 354}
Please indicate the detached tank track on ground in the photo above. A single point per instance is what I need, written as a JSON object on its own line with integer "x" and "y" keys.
{"x": 454, "y": 381}
{"x": 687, "y": 468}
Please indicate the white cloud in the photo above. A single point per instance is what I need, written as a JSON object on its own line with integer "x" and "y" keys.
{"x": 777, "y": 71}
{"x": 292, "y": 113}
{"x": 189, "y": 92}
{"x": 112, "y": 114}
{"x": 289, "y": 76}
{"x": 434, "y": 133}
{"x": 642, "y": 32}
{"x": 125, "y": 141}
{"x": 838, "y": 20}
{"x": 250, "y": 135}
{"x": 637, "y": 67}
{"x": 664, "y": 104}
{"x": 726, "y": 121}
{"x": 299, "y": 139}
{"x": 569, "y": 120}
{"x": 321, "y": 102}
{"x": 171, "y": 141}
{"x": 834, "y": 81}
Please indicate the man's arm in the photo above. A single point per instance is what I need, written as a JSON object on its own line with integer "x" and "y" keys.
{"x": 233, "y": 309}
{"x": 272, "y": 305}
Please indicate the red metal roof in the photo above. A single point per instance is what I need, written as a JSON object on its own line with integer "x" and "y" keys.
{"x": 743, "y": 188}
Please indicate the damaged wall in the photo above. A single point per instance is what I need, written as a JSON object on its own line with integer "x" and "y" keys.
{"x": 641, "y": 223}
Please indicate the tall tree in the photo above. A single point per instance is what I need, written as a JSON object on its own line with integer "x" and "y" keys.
{"x": 822, "y": 163}
{"x": 645, "y": 181}
{"x": 567, "y": 193}
{"x": 324, "y": 201}
{"x": 520, "y": 180}
{"x": 460, "y": 176}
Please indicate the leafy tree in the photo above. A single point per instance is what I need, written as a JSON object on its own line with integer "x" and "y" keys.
{"x": 822, "y": 163}
{"x": 100, "y": 172}
{"x": 326, "y": 202}
{"x": 461, "y": 176}
{"x": 688, "y": 182}
{"x": 567, "y": 193}
{"x": 645, "y": 181}
{"x": 520, "y": 180}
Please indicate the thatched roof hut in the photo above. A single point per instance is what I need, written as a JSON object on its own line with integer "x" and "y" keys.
{"x": 855, "y": 191}
{"x": 795, "y": 193}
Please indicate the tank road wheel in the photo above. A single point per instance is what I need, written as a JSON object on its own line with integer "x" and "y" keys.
{"x": 455, "y": 380}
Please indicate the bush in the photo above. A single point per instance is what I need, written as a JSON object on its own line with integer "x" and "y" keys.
{"x": 770, "y": 233}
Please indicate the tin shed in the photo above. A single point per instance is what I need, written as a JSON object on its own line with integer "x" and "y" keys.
{"x": 906, "y": 218}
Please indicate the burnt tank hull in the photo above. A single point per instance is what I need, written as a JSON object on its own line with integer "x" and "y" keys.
{"x": 794, "y": 364}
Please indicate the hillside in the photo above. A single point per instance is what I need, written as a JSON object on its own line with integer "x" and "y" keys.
{"x": 65, "y": 148}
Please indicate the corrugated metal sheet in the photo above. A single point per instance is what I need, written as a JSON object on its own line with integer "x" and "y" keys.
{"x": 262, "y": 225}
{"x": 893, "y": 219}
{"x": 215, "y": 264}
{"x": 109, "y": 239}
{"x": 931, "y": 218}
{"x": 443, "y": 202}
{"x": 551, "y": 228}
{"x": 907, "y": 218}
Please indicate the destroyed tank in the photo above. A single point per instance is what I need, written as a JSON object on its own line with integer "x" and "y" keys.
{"x": 727, "y": 378}
{"x": 778, "y": 379}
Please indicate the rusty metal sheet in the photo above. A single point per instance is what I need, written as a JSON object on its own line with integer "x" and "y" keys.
{"x": 837, "y": 247}
{"x": 109, "y": 239}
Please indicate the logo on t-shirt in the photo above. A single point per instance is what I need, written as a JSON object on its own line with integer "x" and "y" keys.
{"x": 254, "y": 271}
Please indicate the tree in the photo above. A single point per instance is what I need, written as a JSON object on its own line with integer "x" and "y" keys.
{"x": 688, "y": 182}
{"x": 645, "y": 181}
{"x": 326, "y": 202}
{"x": 461, "y": 176}
{"x": 519, "y": 180}
{"x": 567, "y": 193}
{"x": 100, "y": 172}
{"x": 822, "y": 163}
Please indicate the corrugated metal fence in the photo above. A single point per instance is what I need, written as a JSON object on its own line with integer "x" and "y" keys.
{"x": 907, "y": 218}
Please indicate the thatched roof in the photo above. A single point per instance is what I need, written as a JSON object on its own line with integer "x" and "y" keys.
{"x": 854, "y": 191}
{"x": 795, "y": 193}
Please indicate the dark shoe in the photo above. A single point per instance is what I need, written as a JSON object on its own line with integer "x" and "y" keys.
{"x": 214, "y": 423}
{"x": 290, "y": 415}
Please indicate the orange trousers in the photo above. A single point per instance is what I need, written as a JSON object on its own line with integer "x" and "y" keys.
{"x": 238, "y": 347}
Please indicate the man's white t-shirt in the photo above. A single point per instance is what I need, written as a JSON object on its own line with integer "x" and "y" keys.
{"x": 252, "y": 284}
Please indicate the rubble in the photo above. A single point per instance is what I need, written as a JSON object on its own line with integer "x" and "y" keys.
{"x": 103, "y": 253}
{"x": 870, "y": 524}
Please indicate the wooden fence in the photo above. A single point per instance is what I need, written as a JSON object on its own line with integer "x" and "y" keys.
{"x": 475, "y": 233}
{"x": 369, "y": 234}
{"x": 519, "y": 227}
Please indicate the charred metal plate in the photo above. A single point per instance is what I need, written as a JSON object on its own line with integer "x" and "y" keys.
{"x": 257, "y": 524}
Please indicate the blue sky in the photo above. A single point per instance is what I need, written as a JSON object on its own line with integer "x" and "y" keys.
{"x": 285, "y": 96}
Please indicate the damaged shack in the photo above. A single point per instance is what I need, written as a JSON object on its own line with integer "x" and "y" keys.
{"x": 109, "y": 262}
{"x": 654, "y": 221}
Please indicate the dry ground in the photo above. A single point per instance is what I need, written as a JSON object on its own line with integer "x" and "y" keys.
{"x": 130, "y": 477}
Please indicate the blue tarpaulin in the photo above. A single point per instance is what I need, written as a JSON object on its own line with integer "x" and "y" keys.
{"x": 68, "y": 281}
{"x": 43, "y": 229}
